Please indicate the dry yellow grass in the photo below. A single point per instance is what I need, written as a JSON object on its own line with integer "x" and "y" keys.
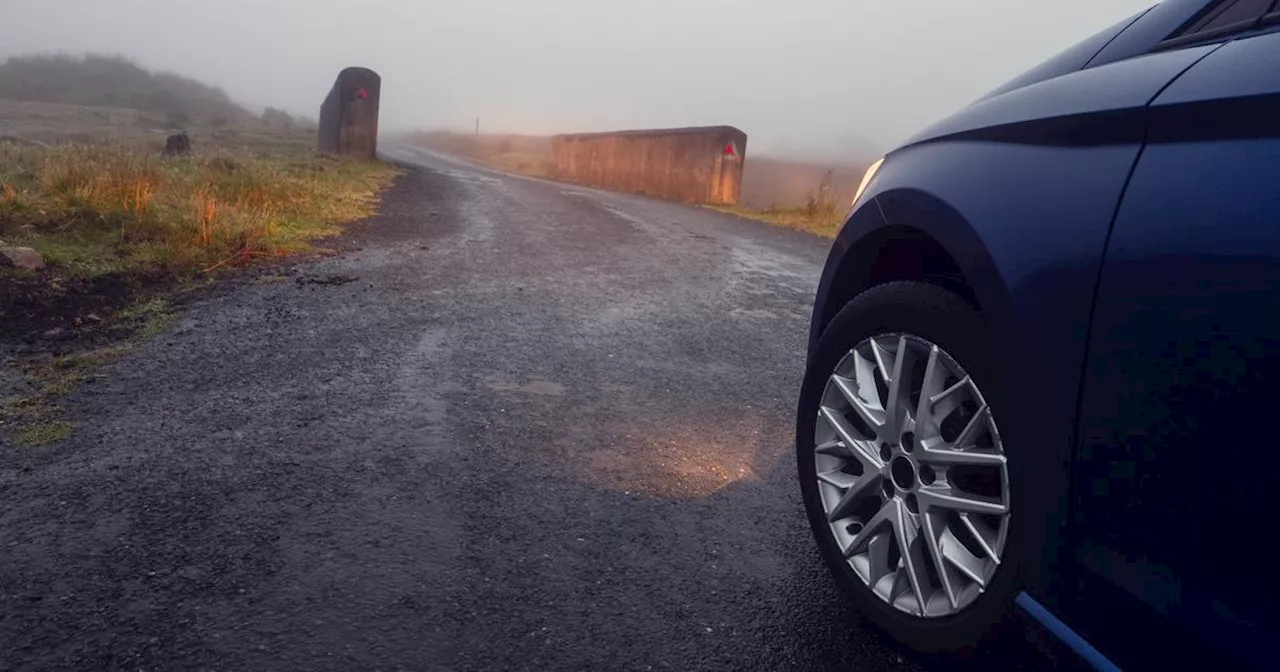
{"x": 102, "y": 209}
{"x": 826, "y": 224}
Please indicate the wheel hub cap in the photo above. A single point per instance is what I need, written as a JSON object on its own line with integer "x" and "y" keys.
{"x": 904, "y": 474}
{"x": 912, "y": 475}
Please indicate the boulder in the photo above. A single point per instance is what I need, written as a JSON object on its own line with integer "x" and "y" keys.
{"x": 177, "y": 145}
{"x": 20, "y": 257}
{"x": 349, "y": 115}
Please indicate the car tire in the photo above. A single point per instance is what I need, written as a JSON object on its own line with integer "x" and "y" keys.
{"x": 950, "y": 322}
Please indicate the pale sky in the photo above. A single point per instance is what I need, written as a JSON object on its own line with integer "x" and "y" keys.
{"x": 815, "y": 77}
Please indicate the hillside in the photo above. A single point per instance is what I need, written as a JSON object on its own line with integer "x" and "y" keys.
{"x": 113, "y": 82}
{"x": 97, "y": 100}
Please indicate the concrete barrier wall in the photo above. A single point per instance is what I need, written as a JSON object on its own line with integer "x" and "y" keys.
{"x": 693, "y": 165}
{"x": 349, "y": 115}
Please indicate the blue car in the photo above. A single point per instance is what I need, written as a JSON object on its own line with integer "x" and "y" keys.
{"x": 1045, "y": 351}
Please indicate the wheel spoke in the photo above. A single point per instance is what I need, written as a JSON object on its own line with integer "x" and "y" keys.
{"x": 934, "y": 377}
{"x": 970, "y": 430}
{"x": 882, "y": 357}
{"x": 935, "y": 553}
{"x": 912, "y": 558}
{"x": 958, "y": 501}
{"x": 899, "y": 390}
{"x": 948, "y": 456}
{"x": 838, "y": 478}
{"x": 874, "y": 417}
{"x": 865, "y": 372}
{"x": 947, "y": 393}
{"x": 883, "y": 518}
{"x": 834, "y": 448}
{"x": 858, "y": 447}
{"x": 980, "y": 536}
{"x": 857, "y": 490}
{"x": 963, "y": 561}
{"x": 878, "y": 557}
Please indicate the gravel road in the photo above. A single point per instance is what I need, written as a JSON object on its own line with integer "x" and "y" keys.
{"x": 514, "y": 425}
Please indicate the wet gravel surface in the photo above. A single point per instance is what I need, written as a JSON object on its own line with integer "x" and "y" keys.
{"x": 515, "y": 425}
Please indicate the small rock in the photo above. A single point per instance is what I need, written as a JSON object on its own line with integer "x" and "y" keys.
{"x": 20, "y": 257}
{"x": 177, "y": 145}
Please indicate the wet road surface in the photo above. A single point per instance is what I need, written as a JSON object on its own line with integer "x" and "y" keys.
{"x": 515, "y": 425}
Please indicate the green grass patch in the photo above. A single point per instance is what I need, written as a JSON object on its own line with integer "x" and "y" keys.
{"x": 37, "y": 418}
{"x": 93, "y": 210}
{"x": 45, "y": 433}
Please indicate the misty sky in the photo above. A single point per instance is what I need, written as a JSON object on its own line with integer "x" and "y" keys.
{"x": 801, "y": 77}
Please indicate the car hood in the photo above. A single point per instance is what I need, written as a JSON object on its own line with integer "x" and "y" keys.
{"x": 1132, "y": 37}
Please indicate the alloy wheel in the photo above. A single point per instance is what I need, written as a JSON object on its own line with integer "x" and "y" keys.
{"x": 912, "y": 475}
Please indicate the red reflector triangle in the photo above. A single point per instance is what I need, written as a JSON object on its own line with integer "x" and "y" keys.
{"x": 729, "y": 150}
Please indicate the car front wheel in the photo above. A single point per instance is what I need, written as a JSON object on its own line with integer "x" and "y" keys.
{"x": 903, "y": 469}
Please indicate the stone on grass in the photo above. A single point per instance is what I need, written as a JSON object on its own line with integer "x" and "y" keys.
{"x": 177, "y": 145}
{"x": 20, "y": 257}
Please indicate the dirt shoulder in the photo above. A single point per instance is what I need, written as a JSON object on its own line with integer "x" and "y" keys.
{"x": 126, "y": 237}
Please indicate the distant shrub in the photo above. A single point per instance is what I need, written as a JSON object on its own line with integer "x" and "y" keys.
{"x": 821, "y": 201}
{"x": 273, "y": 117}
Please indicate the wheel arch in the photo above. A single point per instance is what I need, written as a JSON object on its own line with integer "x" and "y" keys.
{"x": 908, "y": 234}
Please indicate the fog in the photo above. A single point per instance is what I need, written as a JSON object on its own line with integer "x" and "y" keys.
{"x": 823, "y": 79}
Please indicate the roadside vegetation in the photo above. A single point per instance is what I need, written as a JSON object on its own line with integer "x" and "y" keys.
{"x": 123, "y": 230}
{"x": 821, "y": 213}
{"x": 92, "y": 210}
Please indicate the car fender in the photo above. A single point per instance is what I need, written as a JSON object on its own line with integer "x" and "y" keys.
{"x": 1020, "y": 191}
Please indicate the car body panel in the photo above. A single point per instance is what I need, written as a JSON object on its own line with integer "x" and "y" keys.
{"x": 1071, "y": 59}
{"x": 1170, "y": 491}
{"x": 1241, "y": 68}
{"x": 1178, "y": 150}
{"x": 1153, "y": 27}
{"x": 1078, "y": 108}
{"x": 1003, "y": 149}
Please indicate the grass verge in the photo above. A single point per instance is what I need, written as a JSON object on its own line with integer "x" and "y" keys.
{"x": 823, "y": 223}
{"x": 37, "y": 417}
{"x": 120, "y": 228}
{"x": 93, "y": 210}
